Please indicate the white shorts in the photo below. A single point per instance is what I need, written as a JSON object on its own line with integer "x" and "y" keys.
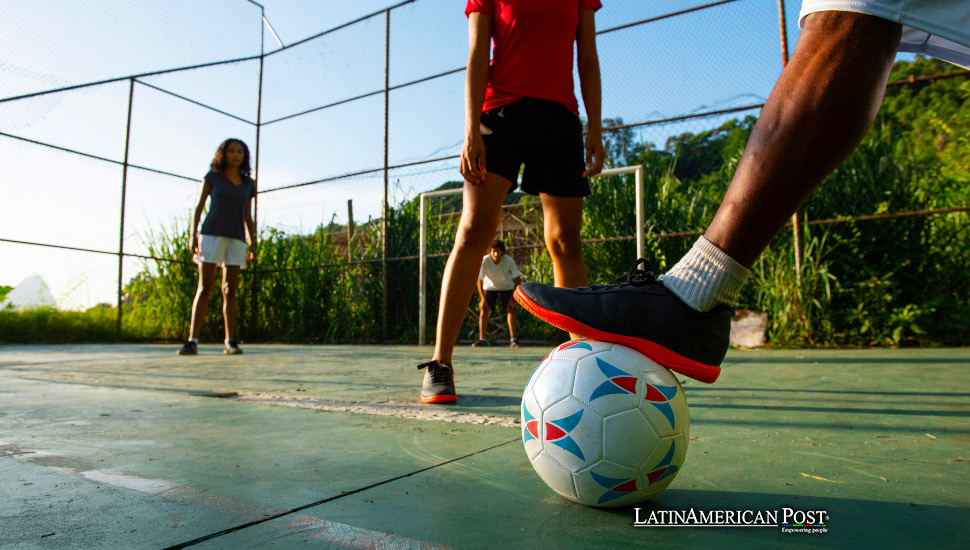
{"x": 221, "y": 250}
{"x": 939, "y": 28}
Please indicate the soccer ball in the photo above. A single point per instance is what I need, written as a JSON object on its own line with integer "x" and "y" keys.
{"x": 604, "y": 425}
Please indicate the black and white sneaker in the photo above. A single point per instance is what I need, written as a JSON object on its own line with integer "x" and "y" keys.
{"x": 439, "y": 382}
{"x": 232, "y": 348}
{"x": 189, "y": 348}
{"x": 480, "y": 343}
{"x": 514, "y": 343}
{"x": 641, "y": 314}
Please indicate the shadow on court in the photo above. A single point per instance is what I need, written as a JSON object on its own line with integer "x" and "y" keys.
{"x": 126, "y": 447}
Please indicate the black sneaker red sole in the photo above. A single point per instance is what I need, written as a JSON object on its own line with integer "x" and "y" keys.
{"x": 439, "y": 399}
{"x": 669, "y": 359}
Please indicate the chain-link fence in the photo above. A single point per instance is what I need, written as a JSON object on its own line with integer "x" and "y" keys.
{"x": 347, "y": 128}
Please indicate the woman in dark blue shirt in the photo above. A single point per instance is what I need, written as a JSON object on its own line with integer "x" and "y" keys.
{"x": 223, "y": 238}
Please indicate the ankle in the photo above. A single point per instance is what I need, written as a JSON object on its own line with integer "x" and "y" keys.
{"x": 705, "y": 277}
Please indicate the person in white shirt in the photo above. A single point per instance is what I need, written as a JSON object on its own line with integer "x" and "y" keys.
{"x": 497, "y": 280}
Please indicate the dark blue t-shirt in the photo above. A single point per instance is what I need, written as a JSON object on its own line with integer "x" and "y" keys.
{"x": 227, "y": 206}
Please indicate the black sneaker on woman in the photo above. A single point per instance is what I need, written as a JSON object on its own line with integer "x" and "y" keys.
{"x": 189, "y": 348}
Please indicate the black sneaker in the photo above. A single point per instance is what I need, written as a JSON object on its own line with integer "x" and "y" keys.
{"x": 514, "y": 343}
{"x": 232, "y": 348}
{"x": 642, "y": 314}
{"x": 480, "y": 343}
{"x": 189, "y": 348}
{"x": 439, "y": 382}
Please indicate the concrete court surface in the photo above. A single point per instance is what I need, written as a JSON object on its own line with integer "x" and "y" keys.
{"x": 129, "y": 446}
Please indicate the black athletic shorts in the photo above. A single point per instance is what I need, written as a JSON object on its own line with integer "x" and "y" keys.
{"x": 491, "y": 296}
{"x": 546, "y": 137}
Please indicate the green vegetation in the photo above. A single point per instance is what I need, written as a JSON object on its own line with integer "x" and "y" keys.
{"x": 889, "y": 282}
{"x": 52, "y": 326}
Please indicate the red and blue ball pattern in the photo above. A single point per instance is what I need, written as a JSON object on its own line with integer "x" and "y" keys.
{"x": 620, "y": 381}
{"x": 617, "y": 487}
{"x": 556, "y": 431}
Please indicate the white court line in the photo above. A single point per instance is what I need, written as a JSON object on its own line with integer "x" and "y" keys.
{"x": 399, "y": 410}
{"x": 348, "y": 536}
{"x": 128, "y": 481}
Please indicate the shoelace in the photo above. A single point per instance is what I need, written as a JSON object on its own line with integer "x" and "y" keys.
{"x": 634, "y": 277}
{"x": 438, "y": 371}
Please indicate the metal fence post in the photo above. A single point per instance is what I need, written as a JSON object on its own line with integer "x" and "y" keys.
{"x": 797, "y": 218}
{"x": 422, "y": 268}
{"x": 385, "y": 207}
{"x": 124, "y": 190}
{"x": 254, "y": 285}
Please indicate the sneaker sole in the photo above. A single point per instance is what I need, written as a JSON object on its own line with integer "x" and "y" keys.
{"x": 439, "y": 399}
{"x": 669, "y": 359}
{"x": 186, "y": 353}
{"x": 227, "y": 352}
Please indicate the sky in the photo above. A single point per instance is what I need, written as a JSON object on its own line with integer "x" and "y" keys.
{"x": 722, "y": 57}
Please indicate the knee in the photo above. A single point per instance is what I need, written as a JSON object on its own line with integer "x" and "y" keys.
{"x": 474, "y": 234}
{"x": 228, "y": 291}
{"x": 564, "y": 245}
{"x": 205, "y": 289}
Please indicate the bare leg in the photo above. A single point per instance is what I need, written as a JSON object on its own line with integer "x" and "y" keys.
{"x": 207, "y": 278}
{"x": 513, "y": 320}
{"x": 562, "y": 221}
{"x": 482, "y": 204}
{"x": 230, "y": 281}
{"x": 819, "y": 110}
{"x": 483, "y": 316}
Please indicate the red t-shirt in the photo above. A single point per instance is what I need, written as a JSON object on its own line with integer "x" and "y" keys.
{"x": 532, "y": 54}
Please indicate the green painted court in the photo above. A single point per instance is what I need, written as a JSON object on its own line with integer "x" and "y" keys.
{"x": 130, "y": 446}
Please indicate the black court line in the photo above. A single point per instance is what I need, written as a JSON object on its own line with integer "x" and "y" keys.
{"x": 328, "y": 499}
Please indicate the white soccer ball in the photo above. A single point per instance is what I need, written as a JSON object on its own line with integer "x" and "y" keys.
{"x": 603, "y": 424}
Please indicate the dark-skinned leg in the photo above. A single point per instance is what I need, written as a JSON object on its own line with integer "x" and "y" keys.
{"x": 513, "y": 321}
{"x": 483, "y": 316}
{"x": 818, "y": 112}
{"x": 481, "y": 207}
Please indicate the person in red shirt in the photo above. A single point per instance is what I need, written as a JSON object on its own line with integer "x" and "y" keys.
{"x": 520, "y": 109}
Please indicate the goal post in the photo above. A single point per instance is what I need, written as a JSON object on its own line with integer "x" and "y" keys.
{"x": 424, "y": 200}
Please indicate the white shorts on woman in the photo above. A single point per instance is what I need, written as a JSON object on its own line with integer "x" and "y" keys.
{"x": 939, "y": 28}
{"x": 222, "y": 251}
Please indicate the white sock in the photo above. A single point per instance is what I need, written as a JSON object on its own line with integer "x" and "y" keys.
{"x": 706, "y": 277}
{"x": 194, "y": 340}
{"x": 227, "y": 341}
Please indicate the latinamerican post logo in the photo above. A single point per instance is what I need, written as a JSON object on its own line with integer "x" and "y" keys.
{"x": 788, "y": 520}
